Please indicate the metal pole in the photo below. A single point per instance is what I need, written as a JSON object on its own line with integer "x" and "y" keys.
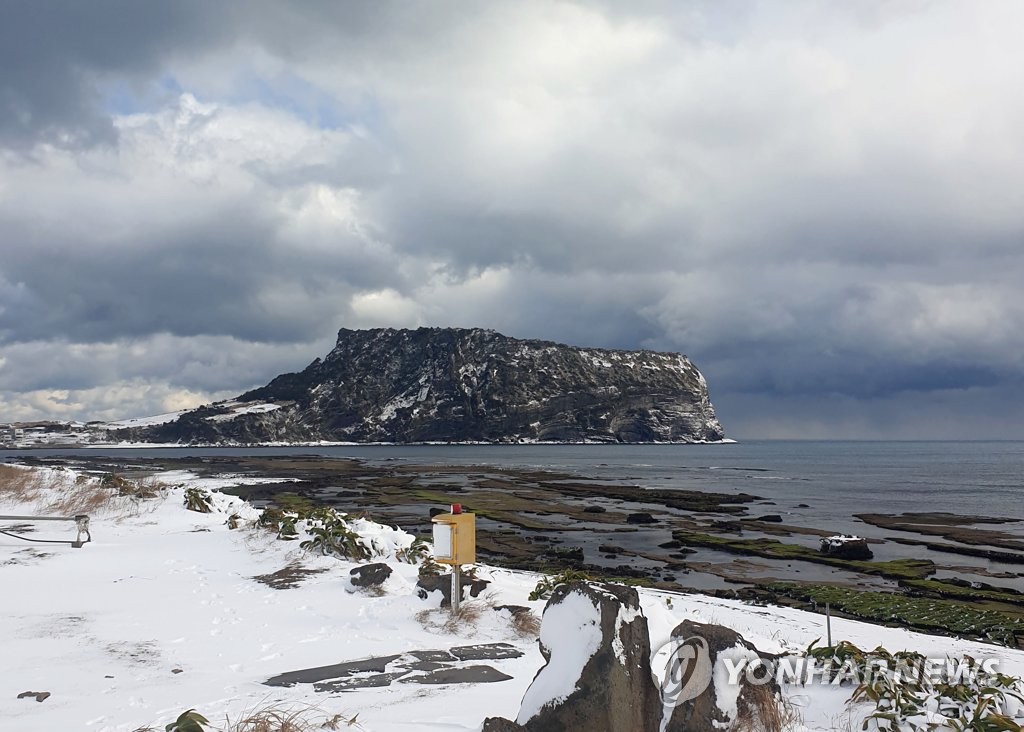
{"x": 456, "y": 590}
{"x": 828, "y": 623}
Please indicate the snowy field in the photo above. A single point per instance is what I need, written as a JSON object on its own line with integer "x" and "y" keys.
{"x": 161, "y": 613}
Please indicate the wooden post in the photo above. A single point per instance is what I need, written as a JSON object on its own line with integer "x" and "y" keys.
{"x": 828, "y": 623}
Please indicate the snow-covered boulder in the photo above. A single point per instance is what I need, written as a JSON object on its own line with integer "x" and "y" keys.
{"x": 712, "y": 695}
{"x": 598, "y": 676}
{"x": 370, "y": 575}
{"x": 846, "y": 547}
{"x": 442, "y": 583}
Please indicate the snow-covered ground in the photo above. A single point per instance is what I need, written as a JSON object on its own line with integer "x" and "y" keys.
{"x": 161, "y": 613}
{"x": 141, "y": 421}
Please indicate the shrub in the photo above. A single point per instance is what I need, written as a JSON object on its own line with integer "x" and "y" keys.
{"x": 430, "y": 568}
{"x": 418, "y": 551}
{"x": 907, "y": 698}
{"x": 331, "y": 535}
{"x": 190, "y": 721}
{"x": 280, "y": 522}
{"x": 198, "y": 500}
{"x": 548, "y": 583}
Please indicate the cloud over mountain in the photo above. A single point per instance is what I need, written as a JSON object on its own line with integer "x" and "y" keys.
{"x": 821, "y": 205}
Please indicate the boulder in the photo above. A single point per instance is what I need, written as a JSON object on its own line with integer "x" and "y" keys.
{"x": 597, "y": 674}
{"x": 571, "y": 555}
{"x": 594, "y": 509}
{"x": 443, "y": 582}
{"x": 773, "y": 518}
{"x": 843, "y": 546}
{"x": 694, "y": 696}
{"x": 370, "y": 575}
{"x": 641, "y": 518}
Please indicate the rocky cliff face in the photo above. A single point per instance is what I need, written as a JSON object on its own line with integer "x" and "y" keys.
{"x": 448, "y": 384}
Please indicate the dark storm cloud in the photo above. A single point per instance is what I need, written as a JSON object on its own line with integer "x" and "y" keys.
{"x": 205, "y": 277}
{"x": 54, "y": 53}
{"x": 820, "y": 204}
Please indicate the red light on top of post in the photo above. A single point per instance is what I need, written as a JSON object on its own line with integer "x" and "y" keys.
{"x": 456, "y": 508}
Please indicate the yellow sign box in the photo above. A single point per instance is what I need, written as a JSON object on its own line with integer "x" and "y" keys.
{"x": 455, "y": 538}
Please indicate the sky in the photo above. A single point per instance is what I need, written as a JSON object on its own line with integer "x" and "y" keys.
{"x": 821, "y": 203}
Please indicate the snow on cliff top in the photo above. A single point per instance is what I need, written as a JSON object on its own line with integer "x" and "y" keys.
{"x": 161, "y": 613}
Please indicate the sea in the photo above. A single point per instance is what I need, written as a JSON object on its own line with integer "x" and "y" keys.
{"x": 834, "y": 478}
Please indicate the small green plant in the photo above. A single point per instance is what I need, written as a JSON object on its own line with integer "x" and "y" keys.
{"x": 329, "y": 534}
{"x": 198, "y": 500}
{"x": 190, "y": 721}
{"x": 906, "y": 697}
{"x": 415, "y": 553}
{"x": 280, "y": 522}
{"x": 234, "y": 521}
{"x": 430, "y": 568}
{"x": 548, "y": 583}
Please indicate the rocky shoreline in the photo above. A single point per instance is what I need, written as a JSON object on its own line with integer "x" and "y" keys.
{"x": 681, "y": 540}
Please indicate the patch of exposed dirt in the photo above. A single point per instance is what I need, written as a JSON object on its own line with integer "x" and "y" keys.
{"x": 288, "y": 577}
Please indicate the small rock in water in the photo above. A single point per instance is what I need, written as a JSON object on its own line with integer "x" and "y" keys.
{"x": 640, "y": 518}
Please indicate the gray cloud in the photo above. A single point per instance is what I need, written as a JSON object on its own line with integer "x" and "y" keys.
{"x": 821, "y": 205}
{"x": 54, "y": 55}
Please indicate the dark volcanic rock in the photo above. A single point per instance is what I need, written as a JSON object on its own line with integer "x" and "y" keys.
{"x": 846, "y": 547}
{"x": 614, "y": 689}
{"x": 443, "y": 582}
{"x": 567, "y": 555}
{"x": 450, "y": 384}
{"x": 370, "y": 575}
{"x": 690, "y": 697}
{"x": 640, "y": 518}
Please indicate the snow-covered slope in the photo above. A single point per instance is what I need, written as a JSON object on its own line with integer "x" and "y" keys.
{"x": 161, "y": 613}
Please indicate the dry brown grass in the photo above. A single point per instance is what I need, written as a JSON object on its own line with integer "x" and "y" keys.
{"x": 270, "y": 718}
{"x": 16, "y": 484}
{"x": 525, "y": 624}
{"x": 65, "y": 493}
{"x": 302, "y": 719}
{"x": 761, "y": 709}
{"x": 444, "y": 620}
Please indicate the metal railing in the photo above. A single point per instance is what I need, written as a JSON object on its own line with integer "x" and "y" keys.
{"x": 81, "y": 523}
